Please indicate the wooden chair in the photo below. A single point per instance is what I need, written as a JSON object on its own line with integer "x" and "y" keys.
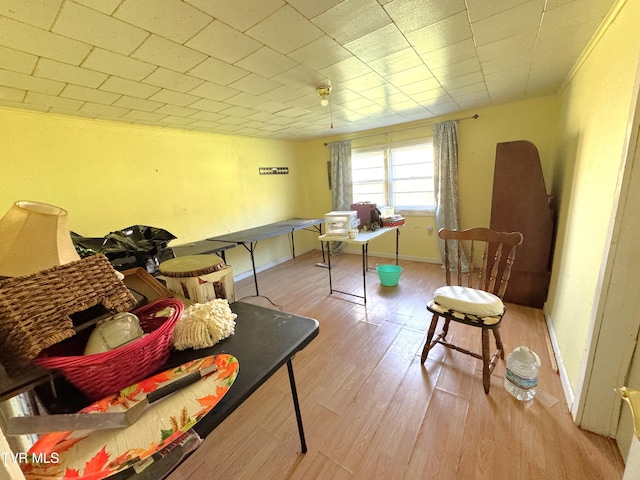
{"x": 476, "y": 296}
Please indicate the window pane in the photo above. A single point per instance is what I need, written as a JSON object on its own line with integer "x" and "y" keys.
{"x": 413, "y": 170}
{"x": 368, "y": 174}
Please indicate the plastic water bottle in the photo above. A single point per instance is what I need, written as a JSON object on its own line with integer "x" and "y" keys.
{"x": 521, "y": 377}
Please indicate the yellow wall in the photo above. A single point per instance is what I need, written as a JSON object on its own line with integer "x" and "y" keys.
{"x": 595, "y": 112}
{"x": 533, "y": 120}
{"x": 110, "y": 176}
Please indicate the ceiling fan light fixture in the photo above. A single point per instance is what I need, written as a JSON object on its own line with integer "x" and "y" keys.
{"x": 324, "y": 91}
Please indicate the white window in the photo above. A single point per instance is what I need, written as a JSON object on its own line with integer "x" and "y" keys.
{"x": 397, "y": 175}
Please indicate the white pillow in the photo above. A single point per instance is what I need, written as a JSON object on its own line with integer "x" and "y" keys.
{"x": 469, "y": 300}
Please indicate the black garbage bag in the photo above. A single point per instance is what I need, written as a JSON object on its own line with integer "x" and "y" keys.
{"x": 135, "y": 246}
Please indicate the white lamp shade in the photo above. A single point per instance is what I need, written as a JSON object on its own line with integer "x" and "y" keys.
{"x": 33, "y": 237}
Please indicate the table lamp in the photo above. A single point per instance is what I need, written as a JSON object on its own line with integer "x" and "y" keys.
{"x": 33, "y": 237}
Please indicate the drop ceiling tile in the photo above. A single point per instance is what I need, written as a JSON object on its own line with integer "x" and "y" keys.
{"x": 73, "y": 113}
{"x": 366, "y": 81}
{"x": 571, "y": 38}
{"x": 271, "y": 107}
{"x": 266, "y": 62}
{"x": 173, "y": 98}
{"x": 27, "y": 106}
{"x": 166, "y": 53}
{"x": 244, "y": 99}
{"x": 504, "y": 64}
{"x": 283, "y": 94}
{"x": 396, "y": 62}
{"x": 299, "y": 30}
{"x": 320, "y": 53}
{"x": 254, "y": 84}
{"x": 66, "y": 73}
{"x": 480, "y": 9}
{"x": 177, "y": 121}
{"x": 240, "y": 14}
{"x": 345, "y": 70}
{"x": 522, "y": 45}
{"x": 213, "y": 91}
{"x": 352, "y": 19}
{"x": 98, "y": 109}
{"x": 53, "y": 101}
{"x": 104, "y": 6}
{"x": 176, "y": 111}
{"x": 223, "y": 42}
{"x": 207, "y": 116}
{"x": 89, "y": 26}
{"x": 173, "y": 19}
{"x": 441, "y": 34}
{"x": 118, "y": 65}
{"x": 312, "y": 8}
{"x": 26, "y": 38}
{"x": 432, "y": 97}
{"x": 419, "y": 86}
{"x": 300, "y": 77}
{"x": 415, "y": 75}
{"x": 217, "y": 71}
{"x": 450, "y": 54}
{"x": 412, "y": 15}
{"x": 26, "y": 82}
{"x": 377, "y": 44}
{"x": 454, "y": 70}
{"x": 10, "y": 95}
{"x": 227, "y": 120}
{"x": 171, "y": 80}
{"x": 236, "y": 111}
{"x": 17, "y": 61}
{"x": 89, "y": 94}
{"x": 146, "y": 116}
{"x": 128, "y": 87}
{"x": 38, "y": 13}
{"x": 209, "y": 105}
{"x": 509, "y": 23}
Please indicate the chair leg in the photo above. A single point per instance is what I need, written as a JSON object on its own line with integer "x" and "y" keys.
{"x": 486, "y": 371}
{"x": 428, "y": 343}
{"x": 499, "y": 346}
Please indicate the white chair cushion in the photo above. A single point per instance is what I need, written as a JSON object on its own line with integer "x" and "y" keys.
{"x": 469, "y": 300}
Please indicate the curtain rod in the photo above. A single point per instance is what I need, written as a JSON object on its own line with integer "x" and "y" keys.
{"x": 409, "y": 128}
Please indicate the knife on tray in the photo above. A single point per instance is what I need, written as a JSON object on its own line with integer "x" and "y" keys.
{"x": 64, "y": 422}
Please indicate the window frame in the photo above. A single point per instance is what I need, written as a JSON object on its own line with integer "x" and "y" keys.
{"x": 388, "y": 179}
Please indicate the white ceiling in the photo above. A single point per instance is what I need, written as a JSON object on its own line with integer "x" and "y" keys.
{"x": 250, "y": 67}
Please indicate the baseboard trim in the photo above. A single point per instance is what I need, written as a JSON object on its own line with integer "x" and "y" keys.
{"x": 562, "y": 371}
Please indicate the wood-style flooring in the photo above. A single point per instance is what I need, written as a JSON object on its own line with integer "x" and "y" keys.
{"x": 372, "y": 411}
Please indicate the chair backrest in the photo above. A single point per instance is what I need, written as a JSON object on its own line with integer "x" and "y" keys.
{"x": 498, "y": 252}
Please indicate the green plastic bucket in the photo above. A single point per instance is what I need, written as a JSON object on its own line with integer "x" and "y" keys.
{"x": 389, "y": 274}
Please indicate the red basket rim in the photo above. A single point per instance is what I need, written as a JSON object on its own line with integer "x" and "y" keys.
{"x": 102, "y": 357}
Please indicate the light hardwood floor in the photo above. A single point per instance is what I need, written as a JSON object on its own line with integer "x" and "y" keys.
{"x": 372, "y": 411}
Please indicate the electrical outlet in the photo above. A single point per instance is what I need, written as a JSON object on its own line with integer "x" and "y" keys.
{"x": 430, "y": 230}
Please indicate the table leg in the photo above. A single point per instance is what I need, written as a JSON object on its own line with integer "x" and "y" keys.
{"x": 329, "y": 266}
{"x": 250, "y": 249}
{"x": 397, "y": 241}
{"x": 296, "y": 406}
{"x": 293, "y": 246}
{"x": 365, "y": 266}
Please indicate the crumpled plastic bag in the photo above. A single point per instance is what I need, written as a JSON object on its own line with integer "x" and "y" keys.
{"x": 135, "y": 246}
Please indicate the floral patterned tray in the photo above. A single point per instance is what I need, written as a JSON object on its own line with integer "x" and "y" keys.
{"x": 97, "y": 454}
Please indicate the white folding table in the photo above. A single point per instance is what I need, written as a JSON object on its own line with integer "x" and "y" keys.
{"x": 363, "y": 238}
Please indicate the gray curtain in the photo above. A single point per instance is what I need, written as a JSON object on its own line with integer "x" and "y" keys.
{"x": 445, "y": 150}
{"x": 341, "y": 182}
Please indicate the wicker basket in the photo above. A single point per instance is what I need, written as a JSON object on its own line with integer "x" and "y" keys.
{"x": 102, "y": 374}
{"x": 35, "y": 309}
